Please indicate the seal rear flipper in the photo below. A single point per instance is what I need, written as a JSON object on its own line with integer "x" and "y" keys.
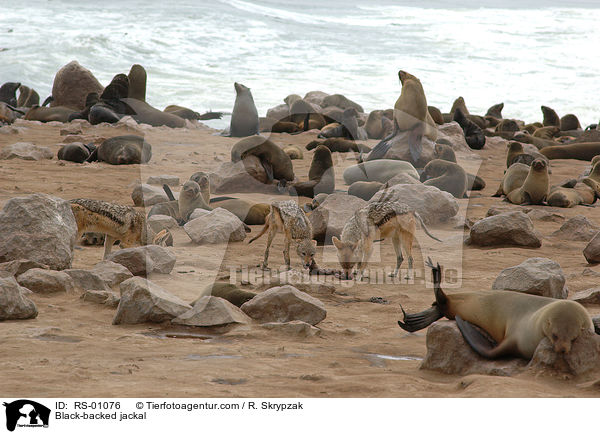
{"x": 168, "y": 192}
{"x": 379, "y": 151}
{"x": 481, "y": 343}
{"x": 418, "y": 321}
{"x": 93, "y": 155}
{"x": 596, "y": 322}
{"x": 415, "y": 146}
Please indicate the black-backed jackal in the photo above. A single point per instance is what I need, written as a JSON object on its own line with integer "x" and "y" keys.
{"x": 287, "y": 217}
{"x": 377, "y": 220}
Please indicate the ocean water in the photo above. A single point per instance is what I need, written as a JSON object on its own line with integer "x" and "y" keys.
{"x": 524, "y": 53}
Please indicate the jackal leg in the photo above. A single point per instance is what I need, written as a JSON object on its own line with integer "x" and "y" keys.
{"x": 272, "y": 233}
{"x": 367, "y": 250}
{"x": 398, "y": 250}
{"x": 407, "y": 241}
{"x": 108, "y": 243}
{"x": 286, "y": 252}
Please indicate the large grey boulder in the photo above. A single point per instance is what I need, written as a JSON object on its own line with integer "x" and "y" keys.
{"x": 19, "y": 266}
{"x": 147, "y": 195}
{"x": 592, "y": 250}
{"x": 25, "y": 151}
{"x": 329, "y": 218}
{"x": 284, "y": 304}
{"x": 158, "y": 222}
{"x": 537, "y": 276}
{"x": 46, "y": 281}
{"x": 171, "y": 180}
{"x": 447, "y": 352}
{"x": 432, "y": 204}
{"x": 301, "y": 280}
{"x": 578, "y": 228}
{"x": 588, "y": 296}
{"x": 39, "y": 228}
{"x": 144, "y": 301}
{"x": 71, "y": 85}
{"x": 13, "y": 303}
{"x": 111, "y": 273}
{"x": 211, "y": 311}
{"x": 315, "y": 97}
{"x": 583, "y": 357}
{"x": 218, "y": 226}
{"x": 279, "y": 112}
{"x": 454, "y": 136}
{"x": 144, "y": 260}
{"x": 507, "y": 229}
{"x": 246, "y": 176}
{"x": 87, "y": 280}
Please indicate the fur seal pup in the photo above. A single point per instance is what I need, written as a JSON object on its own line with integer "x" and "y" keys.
{"x": 374, "y": 125}
{"x": 190, "y": 198}
{"x": 534, "y": 190}
{"x": 276, "y": 163}
{"x": 435, "y": 114}
{"x": 535, "y": 141}
{"x": 473, "y": 134}
{"x": 516, "y": 154}
{"x": 27, "y": 97}
{"x": 338, "y": 144}
{"x": 244, "y": 119}
{"x": 495, "y": 111}
{"x": 446, "y": 176}
{"x": 576, "y": 151}
{"x": 444, "y": 152}
{"x": 507, "y": 126}
{"x": 294, "y": 152}
{"x": 365, "y": 189}
{"x": 123, "y": 150}
{"x": 563, "y": 197}
{"x": 516, "y": 322}
{"x": 76, "y": 152}
{"x": 514, "y": 177}
{"x": 593, "y": 179}
{"x": 547, "y": 133}
{"x": 137, "y": 82}
{"x": 49, "y": 114}
{"x": 321, "y": 176}
{"x": 459, "y": 104}
{"x": 347, "y": 128}
{"x": 203, "y": 180}
{"x": 551, "y": 119}
{"x": 8, "y": 93}
{"x": 378, "y": 170}
{"x": 410, "y": 115}
{"x": 569, "y": 122}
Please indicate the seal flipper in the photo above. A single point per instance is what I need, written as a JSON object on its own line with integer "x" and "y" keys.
{"x": 482, "y": 344}
{"x": 379, "y": 151}
{"x": 415, "y": 146}
{"x": 168, "y": 192}
{"x": 418, "y": 321}
{"x": 268, "y": 170}
{"x": 93, "y": 155}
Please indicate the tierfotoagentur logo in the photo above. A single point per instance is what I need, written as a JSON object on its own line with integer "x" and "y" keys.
{"x": 25, "y": 413}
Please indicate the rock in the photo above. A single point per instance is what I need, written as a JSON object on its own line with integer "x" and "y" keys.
{"x": 158, "y": 222}
{"x": 247, "y": 176}
{"x": 111, "y": 272}
{"x": 142, "y": 261}
{"x": 454, "y": 136}
{"x": 71, "y": 130}
{"x": 400, "y": 149}
{"x": 592, "y": 250}
{"x": 284, "y": 304}
{"x": 300, "y": 280}
{"x": 18, "y": 266}
{"x": 329, "y": 218}
{"x": 545, "y": 216}
{"x": 25, "y": 151}
{"x": 432, "y": 204}
{"x": 198, "y": 212}
{"x": 13, "y": 303}
{"x": 507, "y": 229}
{"x": 38, "y": 228}
{"x": 448, "y": 352}
{"x": 537, "y": 276}
{"x": 501, "y": 209}
{"x": 294, "y": 328}
{"x": 341, "y": 101}
{"x": 315, "y": 97}
{"x": 279, "y": 112}
{"x": 46, "y": 281}
{"x": 402, "y": 178}
{"x": 171, "y": 180}
{"x": 211, "y": 311}
{"x": 144, "y": 301}
{"x": 147, "y": 195}
{"x": 588, "y": 296}
{"x": 577, "y": 228}
{"x": 108, "y": 298}
{"x": 583, "y": 357}
{"x": 495, "y": 142}
{"x": 218, "y": 226}
{"x": 87, "y": 280}
{"x": 71, "y": 85}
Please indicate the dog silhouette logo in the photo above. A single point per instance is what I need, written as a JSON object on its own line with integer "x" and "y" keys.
{"x": 26, "y": 413}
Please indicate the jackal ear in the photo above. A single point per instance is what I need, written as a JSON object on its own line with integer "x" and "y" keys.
{"x": 337, "y": 243}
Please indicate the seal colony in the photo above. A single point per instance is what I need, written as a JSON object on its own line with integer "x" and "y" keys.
{"x": 308, "y": 190}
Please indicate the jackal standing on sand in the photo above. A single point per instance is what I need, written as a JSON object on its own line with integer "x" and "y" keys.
{"x": 117, "y": 222}
{"x": 286, "y": 216}
{"x": 378, "y": 219}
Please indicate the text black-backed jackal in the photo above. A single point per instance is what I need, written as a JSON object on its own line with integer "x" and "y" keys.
{"x": 117, "y": 222}
{"x": 287, "y": 217}
{"x": 377, "y": 220}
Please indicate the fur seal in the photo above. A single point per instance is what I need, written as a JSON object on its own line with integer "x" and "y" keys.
{"x": 534, "y": 190}
{"x": 495, "y": 111}
{"x": 535, "y": 141}
{"x": 8, "y": 93}
{"x": 569, "y": 122}
{"x": 338, "y": 144}
{"x": 137, "y": 82}
{"x": 294, "y": 152}
{"x": 321, "y": 176}
{"x": 248, "y": 212}
{"x": 374, "y": 125}
{"x": 27, "y": 97}
{"x": 551, "y": 119}
{"x": 347, "y": 128}
{"x": 444, "y": 152}
{"x": 203, "y": 180}
{"x": 410, "y": 115}
{"x": 123, "y": 150}
{"x": 435, "y": 114}
{"x": 575, "y": 151}
{"x": 593, "y": 179}
{"x": 378, "y": 170}
{"x": 276, "y": 163}
{"x": 507, "y": 126}
{"x": 516, "y": 322}
{"x": 446, "y": 176}
{"x": 76, "y": 152}
{"x": 49, "y": 114}
{"x": 514, "y": 177}
{"x": 190, "y": 198}
{"x": 146, "y": 114}
{"x": 547, "y": 133}
{"x": 473, "y": 134}
{"x": 365, "y": 189}
{"x": 244, "y": 119}
{"x": 516, "y": 154}
{"x": 459, "y": 104}
{"x": 564, "y": 197}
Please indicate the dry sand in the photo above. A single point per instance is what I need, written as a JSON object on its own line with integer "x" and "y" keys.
{"x": 71, "y": 348}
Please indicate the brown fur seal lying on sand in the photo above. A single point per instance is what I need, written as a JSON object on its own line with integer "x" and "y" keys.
{"x": 516, "y": 322}
{"x": 123, "y": 150}
{"x": 338, "y": 144}
{"x": 575, "y": 151}
{"x": 321, "y": 176}
{"x": 446, "y": 176}
{"x": 513, "y": 178}
{"x": 276, "y": 163}
{"x": 565, "y": 197}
